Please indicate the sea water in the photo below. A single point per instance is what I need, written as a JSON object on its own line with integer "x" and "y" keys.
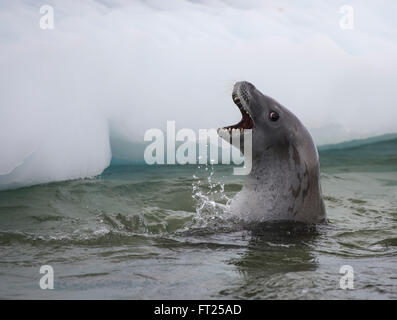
{"x": 162, "y": 232}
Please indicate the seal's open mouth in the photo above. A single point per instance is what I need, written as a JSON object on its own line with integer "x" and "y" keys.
{"x": 246, "y": 121}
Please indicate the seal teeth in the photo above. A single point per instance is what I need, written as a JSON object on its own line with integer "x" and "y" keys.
{"x": 246, "y": 122}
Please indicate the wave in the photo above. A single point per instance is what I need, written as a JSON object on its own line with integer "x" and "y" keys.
{"x": 356, "y": 143}
{"x": 377, "y": 153}
{"x": 373, "y": 150}
{"x": 372, "y": 154}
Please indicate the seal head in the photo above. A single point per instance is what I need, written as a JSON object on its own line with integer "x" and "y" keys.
{"x": 284, "y": 183}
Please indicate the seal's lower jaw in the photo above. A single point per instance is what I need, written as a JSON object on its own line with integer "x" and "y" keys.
{"x": 246, "y": 121}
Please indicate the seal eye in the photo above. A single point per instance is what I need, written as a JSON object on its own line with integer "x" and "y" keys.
{"x": 274, "y": 116}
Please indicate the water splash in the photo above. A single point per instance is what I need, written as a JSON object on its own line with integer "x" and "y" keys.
{"x": 211, "y": 201}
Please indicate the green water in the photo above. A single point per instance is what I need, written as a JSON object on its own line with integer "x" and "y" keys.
{"x": 139, "y": 232}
